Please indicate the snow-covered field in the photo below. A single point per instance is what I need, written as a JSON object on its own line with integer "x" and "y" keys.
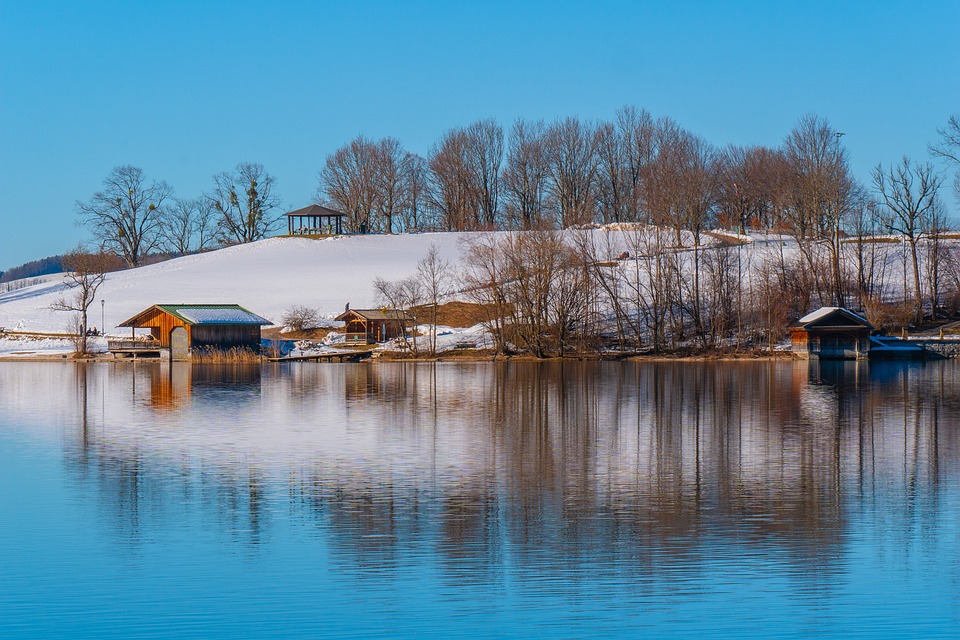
{"x": 266, "y": 277}
{"x": 13, "y": 346}
{"x": 270, "y": 276}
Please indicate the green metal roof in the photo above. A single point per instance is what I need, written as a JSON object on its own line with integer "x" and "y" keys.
{"x": 194, "y": 314}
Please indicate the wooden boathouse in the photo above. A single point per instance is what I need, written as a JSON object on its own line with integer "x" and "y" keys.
{"x": 177, "y": 329}
{"x": 369, "y": 326}
{"x": 315, "y": 220}
{"x": 831, "y": 333}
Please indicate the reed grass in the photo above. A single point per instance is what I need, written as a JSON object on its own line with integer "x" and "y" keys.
{"x": 242, "y": 355}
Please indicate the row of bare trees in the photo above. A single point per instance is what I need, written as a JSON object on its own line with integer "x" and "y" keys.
{"x": 133, "y": 217}
{"x": 553, "y": 293}
{"x": 571, "y": 172}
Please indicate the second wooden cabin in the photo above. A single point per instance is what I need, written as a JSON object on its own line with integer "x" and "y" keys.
{"x": 369, "y": 326}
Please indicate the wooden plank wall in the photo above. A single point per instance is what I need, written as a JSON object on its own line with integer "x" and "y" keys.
{"x": 161, "y": 324}
{"x": 226, "y": 336}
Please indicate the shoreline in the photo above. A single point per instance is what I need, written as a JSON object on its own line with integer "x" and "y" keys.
{"x": 717, "y": 356}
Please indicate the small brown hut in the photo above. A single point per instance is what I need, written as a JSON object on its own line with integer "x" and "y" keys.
{"x": 178, "y": 328}
{"x": 369, "y": 326}
{"x": 315, "y": 220}
{"x": 831, "y": 333}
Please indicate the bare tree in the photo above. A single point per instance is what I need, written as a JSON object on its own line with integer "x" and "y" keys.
{"x": 125, "y": 217}
{"x": 434, "y": 274}
{"x": 533, "y": 284}
{"x": 525, "y": 175}
{"x": 451, "y": 193}
{"x": 573, "y": 167}
{"x": 636, "y": 127}
{"x": 747, "y": 187}
{"x": 485, "y": 146}
{"x": 415, "y": 210}
{"x": 245, "y": 202}
{"x": 908, "y": 191}
{"x": 348, "y": 181}
{"x": 465, "y": 172}
{"x": 821, "y": 191}
{"x": 389, "y": 185}
{"x": 85, "y": 272}
{"x": 864, "y": 222}
{"x": 484, "y": 277}
{"x": 300, "y": 317}
{"x": 948, "y": 148}
{"x": 188, "y": 226}
{"x": 612, "y": 184}
{"x": 936, "y": 248}
{"x": 400, "y": 296}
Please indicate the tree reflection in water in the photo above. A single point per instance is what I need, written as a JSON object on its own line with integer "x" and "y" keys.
{"x": 635, "y": 469}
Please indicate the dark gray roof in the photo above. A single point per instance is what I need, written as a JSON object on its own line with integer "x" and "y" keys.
{"x": 316, "y": 210}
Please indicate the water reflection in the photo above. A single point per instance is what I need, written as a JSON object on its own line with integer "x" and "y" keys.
{"x": 630, "y": 470}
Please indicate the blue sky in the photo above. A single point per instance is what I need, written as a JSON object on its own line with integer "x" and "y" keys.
{"x": 188, "y": 89}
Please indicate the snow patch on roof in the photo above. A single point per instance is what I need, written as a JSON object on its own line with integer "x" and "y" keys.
{"x": 823, "y": 312}
{"x": 220, "y": 315}
{"x": 819, "y": 313}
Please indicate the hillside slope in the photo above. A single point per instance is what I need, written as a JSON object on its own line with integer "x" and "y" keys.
{"x": 267, "y": 277}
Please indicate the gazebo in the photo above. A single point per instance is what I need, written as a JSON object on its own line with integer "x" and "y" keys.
{"x": 315, "y": 220}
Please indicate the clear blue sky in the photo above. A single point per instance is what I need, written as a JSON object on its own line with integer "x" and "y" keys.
{"x": 188, "y": 89}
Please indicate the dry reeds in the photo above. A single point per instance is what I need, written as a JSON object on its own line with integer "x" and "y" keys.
{"x": 235, "y": 355}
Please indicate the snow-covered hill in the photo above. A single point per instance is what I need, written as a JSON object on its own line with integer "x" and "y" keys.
{"x": 267, "y": 277}
{"x": 270, "y": 276}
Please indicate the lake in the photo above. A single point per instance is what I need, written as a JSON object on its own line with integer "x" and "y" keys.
{"x": 512, "y": 500}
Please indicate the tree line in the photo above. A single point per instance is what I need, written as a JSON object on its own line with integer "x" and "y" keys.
{"x": 633, "y": 168}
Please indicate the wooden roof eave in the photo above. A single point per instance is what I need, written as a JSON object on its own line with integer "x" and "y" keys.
{"x": 133, "y": 322}
{"x": 401, "y": 316}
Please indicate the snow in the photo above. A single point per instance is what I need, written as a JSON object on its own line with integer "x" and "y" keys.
{"x": 28, "y": 346}
{"x": 822, "y": 312}
{"x": 270, "y": 276}
{"x": 819, "y": 313}
{"x": 266, "y": 277}
{"x": 222, "y": 315}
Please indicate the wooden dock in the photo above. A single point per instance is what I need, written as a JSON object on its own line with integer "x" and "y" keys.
{"x": 339, "y": 356}
{"x": 126, "y": 348}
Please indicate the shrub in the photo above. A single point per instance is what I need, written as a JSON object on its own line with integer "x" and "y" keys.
{"x": 299, "y": 318}
{"x": 888, "y": 316}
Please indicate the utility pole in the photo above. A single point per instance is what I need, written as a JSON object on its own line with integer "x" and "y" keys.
{"x": 837, "y": 274}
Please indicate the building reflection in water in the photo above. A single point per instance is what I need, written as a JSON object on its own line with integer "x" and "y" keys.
{"x": 636, "y": 467}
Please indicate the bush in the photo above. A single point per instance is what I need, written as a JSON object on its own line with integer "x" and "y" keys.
{"x": 888, "y": 316}
{"x": 300, "y": 318}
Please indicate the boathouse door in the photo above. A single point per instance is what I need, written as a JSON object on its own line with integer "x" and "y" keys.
{"x": 838, "y": 346}
{"x": 179, "y": 345}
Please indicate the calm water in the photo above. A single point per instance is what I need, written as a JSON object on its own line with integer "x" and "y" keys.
{"x": 478, "y": 500}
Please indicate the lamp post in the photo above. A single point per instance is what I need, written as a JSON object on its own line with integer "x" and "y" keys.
{"x": 836, "y": 229}
{"x": 103, "y": 327}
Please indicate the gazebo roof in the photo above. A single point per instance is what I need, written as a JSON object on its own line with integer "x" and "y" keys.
{"x": 315, "y": 210}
